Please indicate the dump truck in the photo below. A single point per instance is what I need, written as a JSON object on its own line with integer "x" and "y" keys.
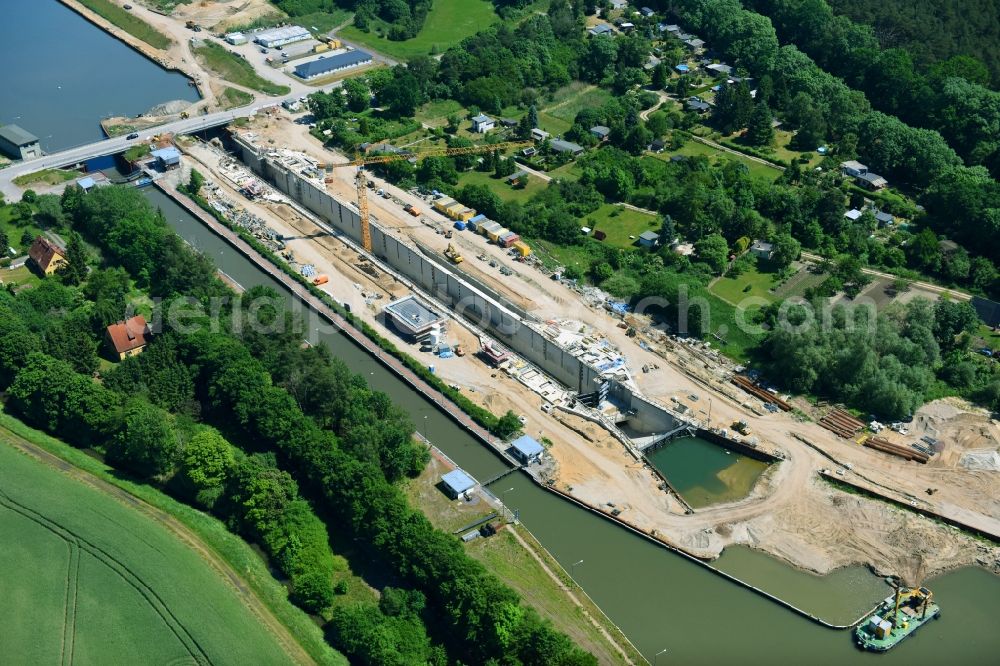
{"x": 321, "y": 279}
{"x": 453, "y": 254}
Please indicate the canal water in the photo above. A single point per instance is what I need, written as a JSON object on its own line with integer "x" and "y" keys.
{"x": 660, "y": 599}
{"x": 705, "y": 473}
{"x": 60, "y": 75}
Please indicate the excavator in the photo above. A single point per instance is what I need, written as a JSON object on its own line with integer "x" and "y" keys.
{"x": 453, "y": 254}
{"x": 361, "y": 161}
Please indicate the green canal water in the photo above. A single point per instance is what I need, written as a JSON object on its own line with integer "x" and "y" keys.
{"x": 705, "y": 473}
{"x": 662, "y": 600}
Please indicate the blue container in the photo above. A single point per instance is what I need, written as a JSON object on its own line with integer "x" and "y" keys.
{"x": 460, "y": 225}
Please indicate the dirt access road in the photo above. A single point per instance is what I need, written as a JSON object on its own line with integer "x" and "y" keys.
{"x": 179, "y": 530}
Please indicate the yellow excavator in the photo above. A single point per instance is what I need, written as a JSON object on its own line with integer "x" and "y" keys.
{"x": 453, "y": 254}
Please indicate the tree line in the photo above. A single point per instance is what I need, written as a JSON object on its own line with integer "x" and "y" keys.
{"x": 282, "y": 442}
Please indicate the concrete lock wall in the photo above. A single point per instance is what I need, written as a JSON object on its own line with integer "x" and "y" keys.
{"x": 645, "y": 417}
{"x": 470, "y": 298}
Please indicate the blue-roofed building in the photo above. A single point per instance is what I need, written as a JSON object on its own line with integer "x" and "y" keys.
{"x": 457, "y": 482}
{"x": 167, "y": 158}
{"x": 330, "y": 64}
{"x": 526, "y": 449}
{"x": 86, "y": 183}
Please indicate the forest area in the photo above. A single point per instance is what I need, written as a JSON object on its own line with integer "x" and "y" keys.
{"x": 933, "y": 31}
{"x": 236, "y": 417}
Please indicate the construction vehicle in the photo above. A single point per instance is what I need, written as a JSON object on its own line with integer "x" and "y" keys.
{"x": 449, "y": 233}
{"x": 321, "y": 279}
{"x": 453, "y": 254}
{"x": 185, "y": 115}
{"x": 459, "y": 350}
{"x": 361, "y": 180}
{"x": 742, "y": 427}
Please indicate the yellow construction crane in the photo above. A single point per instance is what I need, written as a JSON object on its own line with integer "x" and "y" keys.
{"x": 361, "y": 181}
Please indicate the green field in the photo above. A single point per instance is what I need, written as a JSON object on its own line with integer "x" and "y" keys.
{"x": 436, "y": 113}
{"x": 501, "y": 188}
{"x": 128, "y": 22}
{"x": 619, "y": 223}
{"x": 45, "y": 177}
{"x": 95, "y": 575}
{"x": 692, "y": 148}
{"x": 571, "y": 99}
{"x": 448, "y": 23}
{"x": 235, "y": 69}
{"x": 756, "y": 282}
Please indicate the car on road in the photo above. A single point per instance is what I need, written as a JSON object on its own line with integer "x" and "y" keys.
{"x": 133, "y": 135}
{"x": 986, "y": 351}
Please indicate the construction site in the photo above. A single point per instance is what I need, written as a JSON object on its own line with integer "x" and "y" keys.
{"x": 601, "y": 386}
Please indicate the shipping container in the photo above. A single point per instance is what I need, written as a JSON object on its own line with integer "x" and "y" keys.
{"x": 508, "y": 239}
{"x": 490, "y": 227}
{"x": 522, "y": 248}
{"x": 460, "y": 225}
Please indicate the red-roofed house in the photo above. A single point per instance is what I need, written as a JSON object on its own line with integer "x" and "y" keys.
{"x": 129, "y": 337}
{"x": 46, "y": 255}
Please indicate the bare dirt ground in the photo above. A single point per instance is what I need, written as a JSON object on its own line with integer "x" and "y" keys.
{"x": 221, "y": 15}
{"x": 792, "y": 513}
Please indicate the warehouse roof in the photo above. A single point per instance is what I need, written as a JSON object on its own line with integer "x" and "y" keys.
{"x": 413, "y": 314}
{"x": 286, "y": 32}
{"x": 167, "y": 154}
{"x": 17, "y": 135}
{"x": 332, "y": 63}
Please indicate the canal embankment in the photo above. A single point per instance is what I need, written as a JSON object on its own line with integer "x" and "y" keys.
{"x": 658, "y": 599}
{"x": 435, "y": 397}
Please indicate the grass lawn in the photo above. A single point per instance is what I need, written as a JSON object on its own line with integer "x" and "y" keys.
{"x": 45, "y": 177}
{"x": 436, "y": 113}
{"x": 14, "y": 230}
{"x": 562, "y": 255}
{"x": 514, "y": 564}
{"x": 128, "y": 22}
{"x": 797, "y": 284}
{"x": 786, "y": 154}
{"x": 692, "y": 148}
{"x": 200, "y": 601}
{"x": 235, "y": 69}
{"x": 986, "y": 337}
{"x": 501, "y": 188}
{"x": 755, "y": 282}
{"x": 619, "y": 223}
{"x": 571, "y": 99}
{"x": 447, "y": 24}
{"x": 232, "y": 98}
{"x": 131, "y": 590}
{"x": 568, "y": 171}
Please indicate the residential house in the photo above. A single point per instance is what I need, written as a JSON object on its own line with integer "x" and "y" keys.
{"x": 762, "y": 250}
{"x": 509, "y": 123}
{"x": 600, "y": 131}
{"x": 947, "y": 246}
{"x": 560, "y": 146}
{"x": 647, "y": 12}
{"x": 127, "y": 338}
{"x": 853, "y": 215}
{"x": 872, "y": 181}
{"x": 483, "y": 123}
{"x": 46, "y": 255}
{"x": 697, "y": 106}
{"x": 719, "y": 68}
{"x": 885, "y": 219}
{"x": 517, "y": 179}
{"x": 853, "y": 168}
{"x": 672, "y": 28}
{"x": 658, "y": 145}
{"x": 619, "y": 4}
{"x": 626, "y": 27}
{"x": 539, "y": 134}
{"x": 602, "y": 29}
{"x": 649, "y": 239}
{"x": 695, "y": 44}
